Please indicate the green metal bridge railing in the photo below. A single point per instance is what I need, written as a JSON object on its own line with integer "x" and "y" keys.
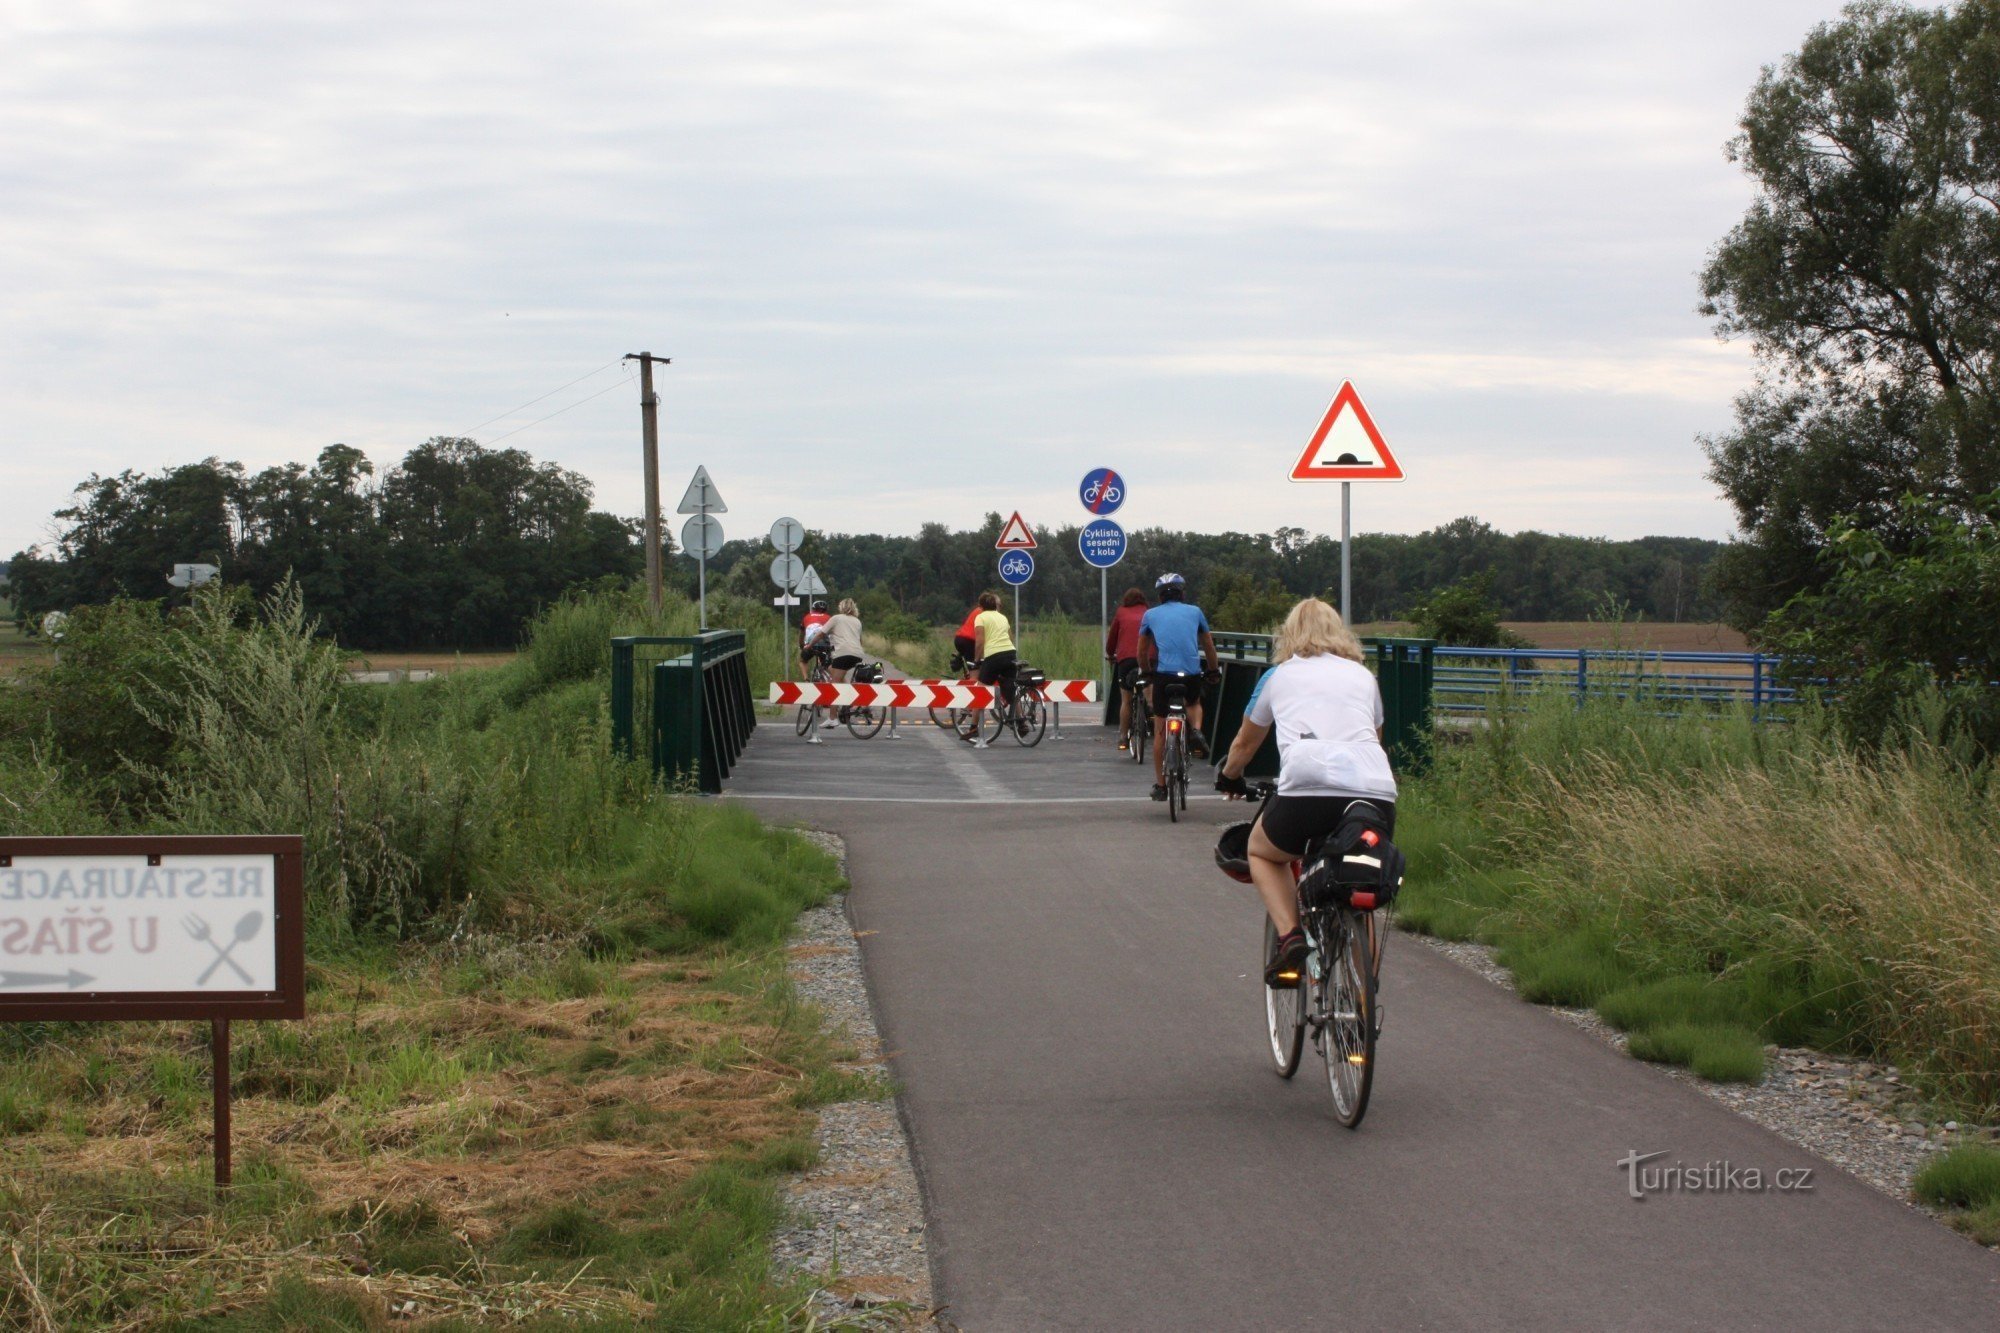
{"x": 1405, "y": 668}
{"x": 693, "y": 706}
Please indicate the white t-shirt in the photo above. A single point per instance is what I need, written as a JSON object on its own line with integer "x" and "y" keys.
{"x": 845, "y": 631}
{"x": 1326, "y": 710}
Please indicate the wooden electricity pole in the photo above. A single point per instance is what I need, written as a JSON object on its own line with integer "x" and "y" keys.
{"x": 649, "y": 412}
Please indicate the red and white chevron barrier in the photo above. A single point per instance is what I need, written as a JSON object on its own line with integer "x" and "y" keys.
{"x": 918, "y": 694}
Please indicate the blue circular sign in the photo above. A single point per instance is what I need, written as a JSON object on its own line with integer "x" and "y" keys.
{"x": 1017, "y": 567}
{"x": 1102, "y": 491}
{"x": 1102, "y": 542}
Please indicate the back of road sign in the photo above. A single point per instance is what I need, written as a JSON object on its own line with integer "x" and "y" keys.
{"x": 702, "y": 497}
{"x": 1347, "y": 447}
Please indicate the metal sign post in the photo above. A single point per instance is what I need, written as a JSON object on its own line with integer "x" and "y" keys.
{"x": 787, "y": 534}
{"x": 1101, "y": 542}
{"x": 1347, "y": 448}
{"x": 176, "y": 928}
{"x": 702, "y": 536}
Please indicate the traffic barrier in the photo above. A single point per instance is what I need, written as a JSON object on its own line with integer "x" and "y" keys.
{"x": 918, "y": 694}
{"x": 697, "y": 715}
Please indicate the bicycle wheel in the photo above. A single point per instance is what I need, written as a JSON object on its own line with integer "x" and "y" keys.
{"x": 1174, "y": 770}
{"x": 1284, "y": 1012}
{"x": 865, "y": 722}
{"x": 1348, "y": 1040}
{"x": 1142, "y": 729}
{"x": 1031, "y": 719}
{"x": 808, "y": 714}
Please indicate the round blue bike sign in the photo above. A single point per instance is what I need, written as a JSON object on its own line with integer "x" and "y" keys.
{"x": 1102, "y": 491}
{"x": 1017, "y": 567}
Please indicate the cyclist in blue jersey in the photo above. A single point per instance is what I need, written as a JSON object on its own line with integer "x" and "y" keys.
{"x": 1175, "y": 648}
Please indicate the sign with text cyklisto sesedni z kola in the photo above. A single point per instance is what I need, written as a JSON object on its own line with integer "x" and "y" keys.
{"x": 151, "y": 928}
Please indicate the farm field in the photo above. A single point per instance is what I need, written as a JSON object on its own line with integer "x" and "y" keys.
{"x": 439, "y": 662}
{"x": 16, "y": 648}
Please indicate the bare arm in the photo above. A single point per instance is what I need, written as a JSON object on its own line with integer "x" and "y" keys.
{"x": 1242, "y": 749}
{"x": 979, "y": 642}
{"x": 1208, "y": 649}
{"x": 1149, "y": 652}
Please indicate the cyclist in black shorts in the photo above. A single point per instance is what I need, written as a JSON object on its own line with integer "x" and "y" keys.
{"x": 1327, "y": 710}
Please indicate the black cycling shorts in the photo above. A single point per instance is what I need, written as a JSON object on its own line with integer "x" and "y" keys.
{"x": 997, "y": 667}
{"x": 1290, "y": 822}
{"x": 1124, "y": 670}
{"x": 1190, "y": 690}
{"x": 846, "y": 662}
{"x": 968, "y": 647}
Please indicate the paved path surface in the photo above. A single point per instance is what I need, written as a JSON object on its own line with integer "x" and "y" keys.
{"x": 1066, "y": 990}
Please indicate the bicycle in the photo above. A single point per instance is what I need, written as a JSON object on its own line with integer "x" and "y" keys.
{"x": 1174, "y": 758}
{"x": 1335, "y": 1000}
{"x": 1026, "y": 715}
{"x": 861, "y": 720}
{"x": 1142, "y": 717}
{"x": 950, "y": 718}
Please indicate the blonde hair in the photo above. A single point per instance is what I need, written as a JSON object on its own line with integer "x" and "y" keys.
{"x": 848, "y": 608}
{"x": 1312, "y": 628}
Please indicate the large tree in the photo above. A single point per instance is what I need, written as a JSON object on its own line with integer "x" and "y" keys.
{"x": 1866, "y": 275}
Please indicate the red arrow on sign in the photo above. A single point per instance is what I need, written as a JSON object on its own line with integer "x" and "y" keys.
{"x": 1347, "y": 447}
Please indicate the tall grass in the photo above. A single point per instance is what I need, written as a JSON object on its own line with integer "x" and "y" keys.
{"x": 1798, "y": 890}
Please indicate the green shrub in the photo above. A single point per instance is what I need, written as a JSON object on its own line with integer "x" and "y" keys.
{"x": 1720, "y": 1052}
{"x": 1962, "y": 1177}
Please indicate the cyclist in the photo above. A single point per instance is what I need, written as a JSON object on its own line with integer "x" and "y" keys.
{"x": 993, "y": 647}
{"x": 968, "y": 649}
{"x": 1327, "y": 709}
{"x": 1174, "y": 643}
{"x": 1121, "y": 649}
{"x": 811, "y": 627}
{"x": 843, "y": 640}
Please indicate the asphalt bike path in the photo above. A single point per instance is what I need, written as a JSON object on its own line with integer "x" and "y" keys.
{"x": 1067, "y": 988}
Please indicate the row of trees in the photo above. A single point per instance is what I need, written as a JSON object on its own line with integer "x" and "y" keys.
{"x": 453, "y": 548}
{"x": 1246, "y": 580}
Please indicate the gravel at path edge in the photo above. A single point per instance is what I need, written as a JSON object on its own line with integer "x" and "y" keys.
{"x": 858, "y": 1225}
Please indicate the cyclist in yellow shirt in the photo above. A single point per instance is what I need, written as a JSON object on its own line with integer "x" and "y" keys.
{"x": 993, "y": 645}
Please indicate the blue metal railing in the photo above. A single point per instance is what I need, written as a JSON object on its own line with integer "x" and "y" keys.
{"x": 1470, "y": 680}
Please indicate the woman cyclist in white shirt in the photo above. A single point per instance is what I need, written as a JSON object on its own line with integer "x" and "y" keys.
{"x": 1327, "y": 709}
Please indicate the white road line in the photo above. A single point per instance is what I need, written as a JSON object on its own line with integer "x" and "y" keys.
{"x": 966, "y": 766}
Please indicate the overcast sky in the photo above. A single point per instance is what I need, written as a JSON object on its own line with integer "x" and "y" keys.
{"x": 912, "y": 261}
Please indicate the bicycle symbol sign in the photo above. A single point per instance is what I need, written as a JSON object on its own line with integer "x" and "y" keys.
{"x": 1102, "y": 491}
{"x": 1017, "y": 567}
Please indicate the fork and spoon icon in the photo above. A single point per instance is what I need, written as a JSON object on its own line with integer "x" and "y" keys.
{"x": 246, "y": 929}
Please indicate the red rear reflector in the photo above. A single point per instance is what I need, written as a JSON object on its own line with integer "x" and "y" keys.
{"x": 1368, "y": 837}
{"x": 1363, "y": 902}
{"x": 1173, "y": 724}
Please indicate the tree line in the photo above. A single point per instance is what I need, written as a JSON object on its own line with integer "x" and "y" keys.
{"x": 453, "y": 548}
{"x": 456, "y": 546}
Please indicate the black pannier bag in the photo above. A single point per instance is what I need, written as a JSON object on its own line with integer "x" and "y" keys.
{"x": 1030, "y": 678}
{"x": 1357, "y": 858}
{"x": 868, "y": 673}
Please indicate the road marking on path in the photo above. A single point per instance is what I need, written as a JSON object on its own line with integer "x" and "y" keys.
{"x": 965, "y": 764}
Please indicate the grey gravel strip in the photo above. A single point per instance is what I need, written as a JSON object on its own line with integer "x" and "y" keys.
{"x": 858, "y": 1219}
{"x": 1854, "y": 1113}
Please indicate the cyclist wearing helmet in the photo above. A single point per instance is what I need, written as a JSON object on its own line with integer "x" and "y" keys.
{"x": 811, "y": 629}
{"x": 1174, "y": 646}
{"x": 1327, "y": 710}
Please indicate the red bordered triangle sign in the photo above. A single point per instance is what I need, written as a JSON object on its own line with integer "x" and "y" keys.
{"x": 1015, "y": 535}
{"x": 1347, "y": 447}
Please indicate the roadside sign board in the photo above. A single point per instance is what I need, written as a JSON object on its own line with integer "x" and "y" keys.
{"x": 1102, "y": 491}
{"x": 787, "y": 534}
{"x": 1102, "y": 542}
{"x": 810, "y": 583}
{"x": 152, "y": 928}
{"x": 1347, "y": 446}
{"x": 1014, "y": 535}
{"x": 702, "y": 497}
{"x": 787, "y": 570}
{"x": 786, "y": 600}
{"x": 1017, "y": 567}
{"x": 701, "y": 536}
{"x": 193, "y": 576}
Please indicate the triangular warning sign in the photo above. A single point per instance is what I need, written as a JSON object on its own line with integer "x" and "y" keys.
{"x": 1015, "y": 535}
{"x": 702, "y": 497}
{"x": 1347, "y": 447}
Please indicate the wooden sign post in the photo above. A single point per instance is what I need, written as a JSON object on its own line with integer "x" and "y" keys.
{"x": 155, "y": 928}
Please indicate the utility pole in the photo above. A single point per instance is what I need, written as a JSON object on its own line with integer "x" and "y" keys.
{"x": 649, "y": 412}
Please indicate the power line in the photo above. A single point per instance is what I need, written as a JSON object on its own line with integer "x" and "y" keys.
{"x": 559, "y": 411}
{"x": 550, "y": 394}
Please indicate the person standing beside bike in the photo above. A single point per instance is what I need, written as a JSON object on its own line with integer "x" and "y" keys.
{"x": 1327, "y": 709}
{"x": 843, "y": 637}
{"x": 1175, "y": 647}
{"x": 1121, "y": 649}
{"x": 993, "y": 648}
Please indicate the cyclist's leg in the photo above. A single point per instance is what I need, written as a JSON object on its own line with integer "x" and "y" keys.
{"x": 1271, "y": 872}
